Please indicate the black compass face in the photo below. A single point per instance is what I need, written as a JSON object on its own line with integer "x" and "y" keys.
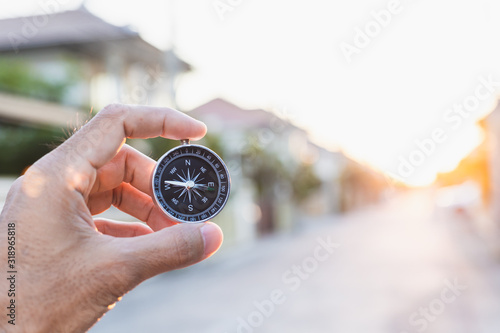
{"x": 191, "y": 183}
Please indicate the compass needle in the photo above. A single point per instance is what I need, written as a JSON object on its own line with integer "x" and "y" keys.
{"x": 183, "y": 191}
{"x": 183, "y": 179}
{"x": 194, "y": 180}
{"x": 175, "y": 183}
{"x": 201, "y": 187}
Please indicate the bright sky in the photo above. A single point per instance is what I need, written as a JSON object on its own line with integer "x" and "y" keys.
{"x": 403, "y": 86}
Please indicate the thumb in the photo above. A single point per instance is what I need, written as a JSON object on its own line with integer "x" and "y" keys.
{"x": 170, "y": 248}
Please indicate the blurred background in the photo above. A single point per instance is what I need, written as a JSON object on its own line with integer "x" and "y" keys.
{"x": 362, "y": 138}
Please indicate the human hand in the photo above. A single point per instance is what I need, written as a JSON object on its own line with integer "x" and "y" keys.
{"x": 72, "y": 268}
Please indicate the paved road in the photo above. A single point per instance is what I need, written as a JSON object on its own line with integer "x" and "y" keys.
{"x": 396, "y": 263}
{"x": 398, "y": 268}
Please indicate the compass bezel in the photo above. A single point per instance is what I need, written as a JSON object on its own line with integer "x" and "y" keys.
{"x": 156, "y": 185}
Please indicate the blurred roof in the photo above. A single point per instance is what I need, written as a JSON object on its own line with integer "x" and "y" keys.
{"x": 76, "y": 29}
{"x": 69, "y": 27}
{"x": 235, "y": 117}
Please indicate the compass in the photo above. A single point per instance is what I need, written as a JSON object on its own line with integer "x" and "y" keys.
{"x": 191, "y": 183}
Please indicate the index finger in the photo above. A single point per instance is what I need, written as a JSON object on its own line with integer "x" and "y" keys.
{"x": 97, "y": 142}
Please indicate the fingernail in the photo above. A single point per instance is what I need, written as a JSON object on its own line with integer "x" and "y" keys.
{"x": 212, "y": 238}
{"x": 205, "y": 128}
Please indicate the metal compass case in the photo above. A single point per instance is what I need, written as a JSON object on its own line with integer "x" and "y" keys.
{"x": 191, "y": 183}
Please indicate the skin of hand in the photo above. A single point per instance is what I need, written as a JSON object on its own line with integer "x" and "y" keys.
{"x": 72, "y": 268}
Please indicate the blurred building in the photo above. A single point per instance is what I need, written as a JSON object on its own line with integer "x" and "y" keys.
{"x": 56, "y": 69}
{"x": 491, "y": 148}
{"x": 482, "y": 166}
{"x": 362, "y": 186}
{"x": 97, "y": 62}
{"x": 471, "y": 192}
{"x": 277, "y": 172}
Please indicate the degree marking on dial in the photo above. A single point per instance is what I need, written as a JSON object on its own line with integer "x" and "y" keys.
{"x": 199, "y": 189}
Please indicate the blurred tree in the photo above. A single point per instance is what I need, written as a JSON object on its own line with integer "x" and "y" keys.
{"x": 270, "y": 175}
{"x": 22, "y": 145}
{"x": 266, "y": 171}
{"x": 214, "y": 142}
{"x": 304, "y": 182}
{"x": 361, "y": 185}
{"x": 20, "y": 78}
